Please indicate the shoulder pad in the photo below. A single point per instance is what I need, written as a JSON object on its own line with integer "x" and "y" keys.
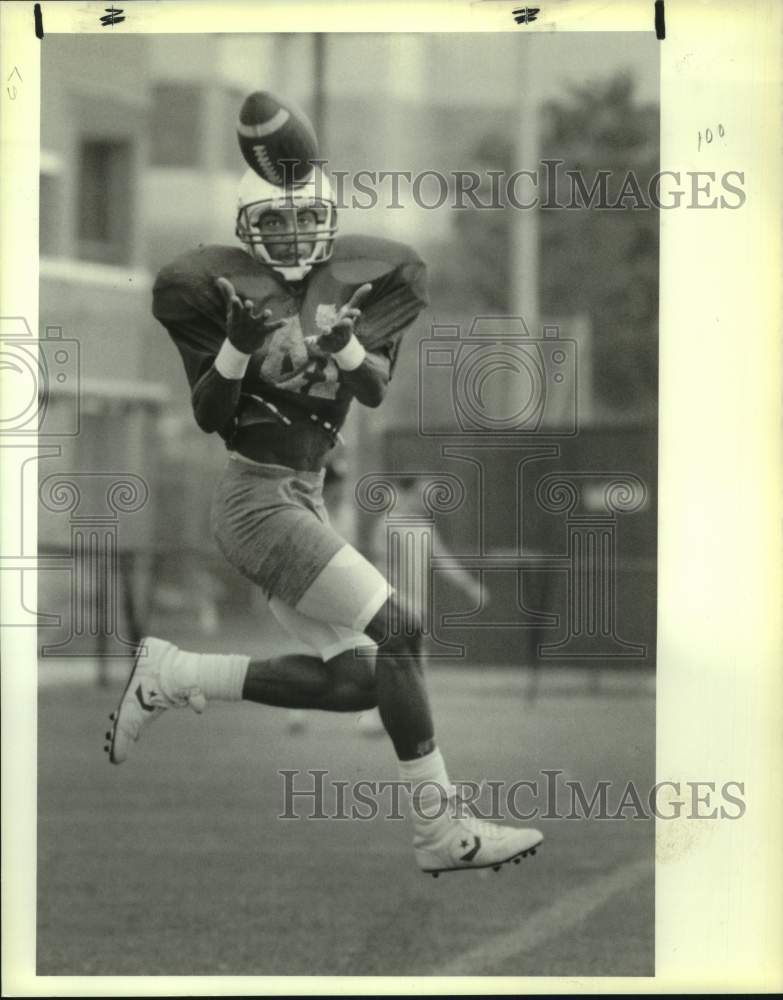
{"x": 398, "y": 278}
{"x": 357, "y": 259}
{"x": 185, "y": 288}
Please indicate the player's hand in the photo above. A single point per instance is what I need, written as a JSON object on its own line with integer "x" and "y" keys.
{"x": 342, "y": 329}
{"x": 246, "y": 327}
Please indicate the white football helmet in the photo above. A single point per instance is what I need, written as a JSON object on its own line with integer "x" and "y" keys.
{"x": 291, "y": 228}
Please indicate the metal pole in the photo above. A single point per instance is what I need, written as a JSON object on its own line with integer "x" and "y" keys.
{"x": 524, "y": 224}
{"x": 319, "y": 86}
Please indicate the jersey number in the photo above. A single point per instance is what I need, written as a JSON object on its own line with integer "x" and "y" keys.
{"x": 287, "y": 364}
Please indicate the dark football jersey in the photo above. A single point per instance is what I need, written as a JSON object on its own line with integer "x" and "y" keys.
{"x": 287, "y": 370}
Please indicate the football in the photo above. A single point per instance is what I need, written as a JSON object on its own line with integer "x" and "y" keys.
{"x": 271, "y": 131}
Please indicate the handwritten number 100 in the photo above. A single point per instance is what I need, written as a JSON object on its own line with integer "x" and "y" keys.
{"x": 709, "y": 136}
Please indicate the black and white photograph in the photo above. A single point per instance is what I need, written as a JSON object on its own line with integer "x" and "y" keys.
{"x": 366, "y": 505}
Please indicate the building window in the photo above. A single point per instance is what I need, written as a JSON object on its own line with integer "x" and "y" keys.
{"x": 177, "y": 125}
{"x": 104, "y": 201}
{"x": 50, "y": 205}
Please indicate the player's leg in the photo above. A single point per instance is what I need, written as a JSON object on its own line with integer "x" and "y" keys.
{"x": 352, "y": 592}
{"x": 403, "y": 700}
{"x": 446, "y": 836}
{"x": 332, "y": 678}
{"x": 164, "y": 676}
{"x": 271, "y": 525}
{"x": 342, "y": 684}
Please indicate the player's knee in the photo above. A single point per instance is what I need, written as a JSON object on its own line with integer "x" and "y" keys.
{"x": 353, "y": 676}
{"x": 397, "y": 629}
{"x": 351, "y": 666}
{"x": 361, "y": 700}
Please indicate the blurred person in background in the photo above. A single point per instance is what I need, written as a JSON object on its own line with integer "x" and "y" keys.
{"x": 413, "y": 586}
{"x": 278, "y": 337}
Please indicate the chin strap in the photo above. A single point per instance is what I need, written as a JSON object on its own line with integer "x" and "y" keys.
{"x": 295, "y": 273}
{"x": 291, "y": 272}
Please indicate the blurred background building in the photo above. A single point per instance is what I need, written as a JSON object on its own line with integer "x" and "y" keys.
{"x": 139, "y": 162}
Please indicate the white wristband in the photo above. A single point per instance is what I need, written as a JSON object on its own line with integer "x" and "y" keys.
{"x": 230, "y": 362}
{"x": 351, "y": 356}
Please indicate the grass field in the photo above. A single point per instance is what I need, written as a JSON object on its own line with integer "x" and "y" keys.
{"x": 177, "y": 863}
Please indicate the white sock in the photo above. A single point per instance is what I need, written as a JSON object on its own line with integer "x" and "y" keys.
{"x": 431, "y": 787}
{"x": 219, "y": 677}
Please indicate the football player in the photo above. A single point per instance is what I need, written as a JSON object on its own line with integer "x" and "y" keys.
{"x": 278, "y": 337}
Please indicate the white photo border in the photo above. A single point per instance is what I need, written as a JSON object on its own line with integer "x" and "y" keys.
{"x": 719, "y": 694}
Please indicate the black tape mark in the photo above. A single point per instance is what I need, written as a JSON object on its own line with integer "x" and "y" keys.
{"x": 112, "y": 16}
{"x": 526, "y": 15}
{"x": 39, "y": 32}
{"x": 660, "y": 21}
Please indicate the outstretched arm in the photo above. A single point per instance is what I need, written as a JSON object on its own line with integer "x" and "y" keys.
{"x": 216, "y": 394}
{"x": 366, "y": 373}
{"x": 215, "y": 399}
{"x": 369, "y": 381}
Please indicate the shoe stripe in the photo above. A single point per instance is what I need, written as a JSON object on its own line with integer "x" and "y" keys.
{"x": 470, "y": 855}
{"x": 147, "y": 706}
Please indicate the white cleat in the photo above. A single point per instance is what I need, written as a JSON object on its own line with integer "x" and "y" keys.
{"x": 471, "y": 843}
{"x": 144, "y": 700}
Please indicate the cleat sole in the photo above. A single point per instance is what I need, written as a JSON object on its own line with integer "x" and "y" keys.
{"x": 115, "y": 715}
{"x": 494, "y": 865}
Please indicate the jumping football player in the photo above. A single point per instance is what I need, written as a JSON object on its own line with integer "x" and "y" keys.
{"x": 278, "y": 337}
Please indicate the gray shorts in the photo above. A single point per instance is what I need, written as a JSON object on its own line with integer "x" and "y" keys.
{"x": 271, "y": 523}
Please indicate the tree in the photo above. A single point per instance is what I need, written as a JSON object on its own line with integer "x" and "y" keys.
{"x": 602, "y": 262}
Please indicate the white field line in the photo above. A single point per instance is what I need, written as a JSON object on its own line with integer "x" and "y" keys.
{"x": 545, "y": 924}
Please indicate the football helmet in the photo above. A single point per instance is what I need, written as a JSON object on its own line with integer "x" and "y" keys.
{"x": 289, "y": 228}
